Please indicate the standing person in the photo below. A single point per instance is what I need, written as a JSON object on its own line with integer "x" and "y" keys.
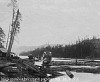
{"x": 47, "y": 57}
{"x": 31, "y": 58}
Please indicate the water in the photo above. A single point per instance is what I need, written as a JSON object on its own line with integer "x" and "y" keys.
{"x": 78, "y": 77}
{"x": 23, "y": 57}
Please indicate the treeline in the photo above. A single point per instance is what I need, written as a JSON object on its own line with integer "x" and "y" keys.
{"x": 87, "y": 48}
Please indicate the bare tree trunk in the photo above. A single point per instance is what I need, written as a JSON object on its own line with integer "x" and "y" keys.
{"x": 13, "y": 31}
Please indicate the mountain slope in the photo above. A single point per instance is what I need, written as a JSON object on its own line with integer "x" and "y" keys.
{"x": 20, "y": 49}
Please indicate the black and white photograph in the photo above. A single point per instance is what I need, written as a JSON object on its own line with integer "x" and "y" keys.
{"x": 49, "y": 40}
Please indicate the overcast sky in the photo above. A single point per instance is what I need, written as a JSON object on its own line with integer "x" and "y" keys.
{"x": 53, "y": 21}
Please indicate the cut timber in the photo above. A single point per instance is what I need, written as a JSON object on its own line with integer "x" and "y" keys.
{"x": 29, "y": 65}
{"x": 69, "y": 74}
{"x": 35, "y": 68}
{"x": 53, "y": 73}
